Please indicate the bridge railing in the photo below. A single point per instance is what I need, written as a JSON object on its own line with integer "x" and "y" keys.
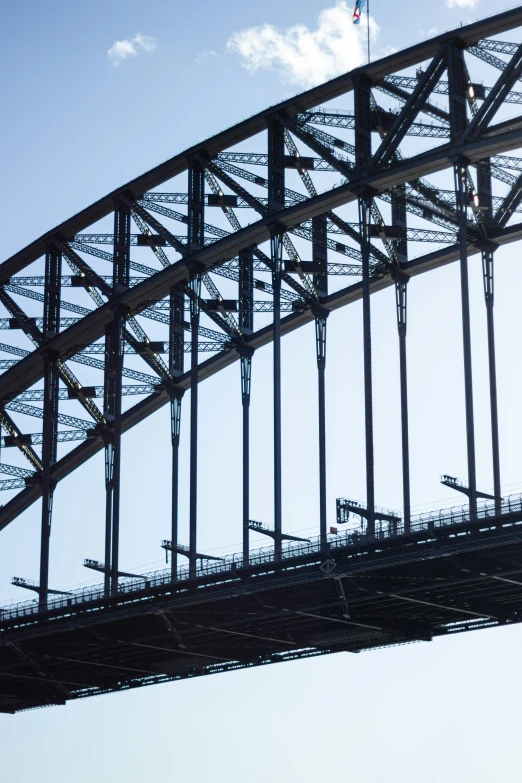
{"x": 428, "y": 523}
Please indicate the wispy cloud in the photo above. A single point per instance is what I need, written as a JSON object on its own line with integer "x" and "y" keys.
{"x": 122, "y": 50}
{"x": 204, "y": 55}
{"x": 303, "y": 56}
{"x": 462, "y": 3}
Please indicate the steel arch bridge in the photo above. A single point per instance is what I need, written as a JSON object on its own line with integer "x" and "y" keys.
{"x": 328, "y": 208}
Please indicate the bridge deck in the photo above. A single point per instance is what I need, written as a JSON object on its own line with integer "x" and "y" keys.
{"x": 450, "y": 574}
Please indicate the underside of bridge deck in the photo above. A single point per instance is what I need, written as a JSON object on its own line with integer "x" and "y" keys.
{"x": 444, "y": 577}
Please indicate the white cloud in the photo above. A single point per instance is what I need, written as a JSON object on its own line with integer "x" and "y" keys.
{"x": 121, "y": 50}
{"x": 303, "y": 56}
{"x": 462, "y": 3}
{"x": 204, "y": 55}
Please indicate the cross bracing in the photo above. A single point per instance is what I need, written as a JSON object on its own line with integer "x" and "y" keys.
{"x": 221, "y": 251}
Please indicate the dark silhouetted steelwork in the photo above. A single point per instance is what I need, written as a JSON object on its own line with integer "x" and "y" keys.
{"x": 198, "y": 246}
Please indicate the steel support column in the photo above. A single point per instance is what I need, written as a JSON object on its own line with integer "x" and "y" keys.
{"x": 276, "y": 245}
{"x": 246, "y": 383}
{"x": 276, "y": 202}
{"x": 363, "y": 151}
{"x": 488, "y": 251}
{"x": 246, "y": 324}
{"x": 114, "y": 354}
{"x": 461, "y": 173}
{"x": 175, "y": 429}
{"x": 320, "y": 264}
{"x": 401, "y": 285}
{"x": 320, "y": 340}
{"x": 196, "y": 239}
{"x": 176, "y": 367}
{"x": 320, "y": 254}
{"x": 364, "y": 221}
{"x": 195, "y": 285}
{"x": 458, "y": 106}
{"x": 51, "y": 327}
{"x": 399, "y": 217}
{"x": 457, "y": 90}
{"x": 488, "y": 270}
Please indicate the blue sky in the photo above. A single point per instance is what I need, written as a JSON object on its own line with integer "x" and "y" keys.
{"x": 85, "y": 126}
{"x": 78, "y": 122}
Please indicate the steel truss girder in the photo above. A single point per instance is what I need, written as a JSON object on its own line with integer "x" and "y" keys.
{"x": 502, "y": 47}
{"x": 405, "y": 171}
{"x": 37, "y": 337}
{"x": 347, "y": 121}
{"x": 497, "y": 96}
{"x": 410, "y": 110}
{"x": 409, "y": 83}
{"x": 482, "y": 53}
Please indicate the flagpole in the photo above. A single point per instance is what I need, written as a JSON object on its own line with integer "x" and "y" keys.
{"x": 368, "y": 32}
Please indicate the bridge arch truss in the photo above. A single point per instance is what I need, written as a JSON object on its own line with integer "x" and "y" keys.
{"x": 298, "y": 211}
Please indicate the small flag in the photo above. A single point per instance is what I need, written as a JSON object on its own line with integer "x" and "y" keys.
{"x": 359, "y": 5}
{"x": 333, "y": 530}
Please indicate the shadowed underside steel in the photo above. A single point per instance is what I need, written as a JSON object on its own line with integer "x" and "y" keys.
{"x": 448, "y": 575}
{"x": 224, "y": 249}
